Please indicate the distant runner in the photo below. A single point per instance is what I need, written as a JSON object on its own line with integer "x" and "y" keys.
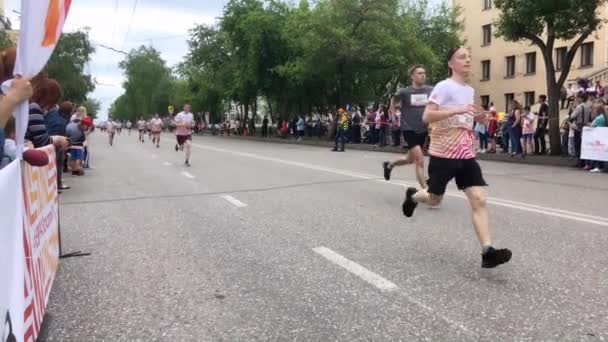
{"x": 129, "y": 126}
{"x": 156, "y": 125}
{"x": 111, "y": 129}
{"x": 141, "y": 127}
{"x": 183, "y": 133}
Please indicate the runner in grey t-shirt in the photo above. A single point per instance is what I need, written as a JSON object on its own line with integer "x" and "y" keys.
{"x": 413, "y": 102}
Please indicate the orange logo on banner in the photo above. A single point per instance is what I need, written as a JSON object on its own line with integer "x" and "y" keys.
{"x": 53, "y": 19}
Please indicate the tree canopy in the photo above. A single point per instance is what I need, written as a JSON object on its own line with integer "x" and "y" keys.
{"x": 67, "y": 65}
{"x": 148, "y": 85}
{"x": 299, "y": 58}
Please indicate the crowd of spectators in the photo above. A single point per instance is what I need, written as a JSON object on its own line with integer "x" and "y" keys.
{"x": 50, "y": 122}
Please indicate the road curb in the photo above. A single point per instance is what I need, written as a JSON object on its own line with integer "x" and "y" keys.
{"x": 499, "y": 157}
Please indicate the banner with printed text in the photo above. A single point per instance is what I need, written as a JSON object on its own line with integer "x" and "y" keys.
{"x": 40, "y": 239}
{"x": 12, "y": 262}
{"x": 595, "y": 144}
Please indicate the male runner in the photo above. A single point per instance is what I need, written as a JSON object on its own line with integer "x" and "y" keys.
{"x": 111, "y": 129}
{"x": 129, "y": 126}
{"x": 183, "y": 132}
{"x": 141, "y": 127}
{"x": 451, "y": 112}
{"x": 413, "y": 101}
{"x": 118, "y": 126}
{"x": 156, "y": 125}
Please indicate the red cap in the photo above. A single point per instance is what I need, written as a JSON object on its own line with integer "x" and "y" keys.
{"x": 87, "y": 121}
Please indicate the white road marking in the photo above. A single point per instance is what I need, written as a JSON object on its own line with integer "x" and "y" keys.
{"x": 187, "y": 174}
{"x": 374, "y": 279}
{"x": 571, "y": 215}
{"x": 383, "y": 284}
{"x": 167, "y": 164}
{"x": 234, "y": 201}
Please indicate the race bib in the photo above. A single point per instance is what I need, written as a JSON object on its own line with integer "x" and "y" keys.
{"x": 458, "y": 121}
{"x": 419, "y": 100}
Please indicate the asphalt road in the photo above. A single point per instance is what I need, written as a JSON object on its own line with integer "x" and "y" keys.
{"x": 279, "y": 242}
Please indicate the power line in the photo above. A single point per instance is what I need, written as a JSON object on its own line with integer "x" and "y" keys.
{"x": 130, "y": 23}
{"x": 113, "y": 49}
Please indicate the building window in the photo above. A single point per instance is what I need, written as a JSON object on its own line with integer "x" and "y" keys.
{"x": 485, "y": 101}
{"x": 487, "y": 4}
{"x": 529, "y": 95}
{"x": 530, "y": 63}
{"x": 510, "y": 61}
{"x": 560, "y": 58}
{"x": 485, "y": 70}
{"x": 487, "y": 34}
{"x": 587, "y": 55}
{"x": 508, "y": 99}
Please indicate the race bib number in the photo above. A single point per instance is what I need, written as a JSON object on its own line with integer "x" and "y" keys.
{"x": 419, "y": 100}
{"x": 458, "y": 121}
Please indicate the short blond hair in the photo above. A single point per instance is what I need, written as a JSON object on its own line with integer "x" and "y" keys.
{"x": 82, "y": 110}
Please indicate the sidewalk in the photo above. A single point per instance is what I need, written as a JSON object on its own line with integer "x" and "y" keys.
{"x": 499, "y": 157}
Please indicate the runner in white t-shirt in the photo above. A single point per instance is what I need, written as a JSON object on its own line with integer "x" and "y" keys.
{"x": 111, "y": 129}
{"x": 183, "y": 132}
{"x": 141, "y": 127}
{"x": 451, "y": 112}
{"x": 129, "y": 126}
{"x": 156, "y": 125}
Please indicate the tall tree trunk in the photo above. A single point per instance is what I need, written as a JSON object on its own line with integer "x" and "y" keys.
{"x": 554, "y": 136}
{"x": 553, "y": 95}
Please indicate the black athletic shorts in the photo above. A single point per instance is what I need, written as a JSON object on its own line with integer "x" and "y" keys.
{"x": 441, "y": 171}
{"x": 181, "y": 139}
{"x": 414, "y": 139}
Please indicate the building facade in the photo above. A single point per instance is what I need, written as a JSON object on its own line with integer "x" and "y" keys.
{"x": 503, "y": 71}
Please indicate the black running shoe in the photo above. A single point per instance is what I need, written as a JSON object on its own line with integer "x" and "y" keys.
{"x": 409, "y": 204}
{"x": 187, "y": 163}
{"x": 494, "y": 257}
{"x": 176, "y": 148}
{"x": 387, "y": 170}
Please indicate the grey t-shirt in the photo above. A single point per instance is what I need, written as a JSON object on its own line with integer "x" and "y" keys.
{"x": 75, "y": 133}
{"x": 413, "y": 102}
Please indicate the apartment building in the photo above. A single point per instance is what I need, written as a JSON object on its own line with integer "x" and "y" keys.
{"x": 503, "y": 71}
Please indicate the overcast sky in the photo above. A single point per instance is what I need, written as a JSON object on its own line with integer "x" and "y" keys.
{"x": 165, "y": 27}
{"x": 162, "y": 23}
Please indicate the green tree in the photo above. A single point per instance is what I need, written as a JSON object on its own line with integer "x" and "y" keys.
{"x": 5, "y": 40}
{"x": 67, "y": 64}
{"x": 148, "y": 85}
{"x": 307, "y": 58}
{"x": 542, "y": 23}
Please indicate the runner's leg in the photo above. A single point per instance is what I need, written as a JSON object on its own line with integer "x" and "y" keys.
{"x": 477, "y": 199}
{"x": 188, "y": 148}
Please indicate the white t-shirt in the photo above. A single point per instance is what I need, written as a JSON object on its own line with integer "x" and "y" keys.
{"x": 110, "y": 126}
{"x": 183, "y": 117}
{"x": 452, "y": 138}
{"x": 156, "y": 125}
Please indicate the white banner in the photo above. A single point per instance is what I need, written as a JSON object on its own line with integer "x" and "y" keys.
{"x": 12, "y": 259}
{"x": 595, "y": 144}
